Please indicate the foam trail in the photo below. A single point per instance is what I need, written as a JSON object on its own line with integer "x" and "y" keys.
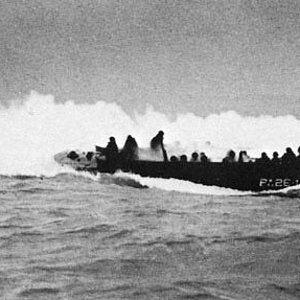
{"x": 285, "y": 190}
{"x": 182, "y": 186}
{"x": 32, "y": 132}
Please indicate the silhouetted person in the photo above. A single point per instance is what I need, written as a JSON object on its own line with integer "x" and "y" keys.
{"x": 157, "y": 144}
{"x": 130, "y": 149}
{"x": 173, "y": 158}
{"x": 275, "y": 159}
{"x": 158, "y": 141}
{"x": 289, "y": 156}
{"x": 298, "y": 156}
{"x": 111, "y": 151}
{"x": 240, "y": 160}
{"x": 263, "y": 158}
{"x": 183, "y": 158}
{"x": 203, "y": 158}
{"x": 244, "y": 157}
{"x": 72, "y": 155}
{"x": 230, "y": 157}
{"x": 89, "y": 156}
{"x": 195, "y": 156}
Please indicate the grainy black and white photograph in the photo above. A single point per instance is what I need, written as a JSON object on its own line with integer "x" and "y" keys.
{"x": 149, "y": 149}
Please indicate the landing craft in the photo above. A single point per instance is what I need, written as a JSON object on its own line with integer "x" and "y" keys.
{"x": 240, "y": 176}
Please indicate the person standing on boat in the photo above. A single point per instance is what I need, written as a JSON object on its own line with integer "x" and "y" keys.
{"x": 130, "y": 149}
{"x": 111, "y": 151}
{"x": 157, "y": 144}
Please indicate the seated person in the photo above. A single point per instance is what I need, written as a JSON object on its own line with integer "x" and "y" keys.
{"x": 275, "y": 159}
{"x": 194, "y": 157}
{"x": 244, "y": 157}
{"x": 203, "y": 158}
{"x": 288, "y": 157}
{"x": 72, "y": 155}
{"x": 183, "y": 158}
{"x": 130, "y": 149}
{"x": 173, "y": 158}
{"x": 89, "y": 156}
{"x": 230, "y": 157}
{"x": 263, "y": 159}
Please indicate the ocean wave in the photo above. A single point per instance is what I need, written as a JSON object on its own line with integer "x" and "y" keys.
{"x": 121, "y": 181}
{"x": 36, "y": 190}
{"x": 91, "y": 229}
{"x": 10, "y": 226}
{"x": 38, "y": 292}
{"x": 291, "y": 289}
{"x": 18, "y": 236}
{"x": 288, "y": 192}
{"x": 192, "y": 289}
{"x": 136, "y": 181}
{"x": 120, "y": 234}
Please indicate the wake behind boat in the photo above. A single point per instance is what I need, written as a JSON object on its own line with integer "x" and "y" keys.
{"x": 259, "y": 175}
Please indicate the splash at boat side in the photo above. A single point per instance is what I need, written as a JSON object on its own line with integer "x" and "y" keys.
{"x": 181, "y": 185}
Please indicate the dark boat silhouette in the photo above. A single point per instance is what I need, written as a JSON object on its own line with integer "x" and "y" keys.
{"x": 252, "y": 176}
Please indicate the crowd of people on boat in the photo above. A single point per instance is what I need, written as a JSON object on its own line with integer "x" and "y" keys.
{"x": 289, "y": 157}
{"x": 130, "y": 151}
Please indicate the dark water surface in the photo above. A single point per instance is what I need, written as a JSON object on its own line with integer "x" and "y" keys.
{"x": 71, "y": 237}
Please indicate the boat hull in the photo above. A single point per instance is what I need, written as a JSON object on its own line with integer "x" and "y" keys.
{"x": 240, "y": 176}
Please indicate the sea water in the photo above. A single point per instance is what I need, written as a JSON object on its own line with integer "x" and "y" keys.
{"x": 71, "y": 235}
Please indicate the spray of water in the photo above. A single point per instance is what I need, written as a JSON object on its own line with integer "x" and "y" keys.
{"x": 32, "y": 132}
{"x": 176, "y": 185}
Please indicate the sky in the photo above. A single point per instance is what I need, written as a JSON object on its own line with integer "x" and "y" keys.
{"x": 179, "y": 56}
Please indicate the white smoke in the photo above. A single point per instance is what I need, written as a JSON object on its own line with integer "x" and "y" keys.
{"x": 33, "y": 132}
